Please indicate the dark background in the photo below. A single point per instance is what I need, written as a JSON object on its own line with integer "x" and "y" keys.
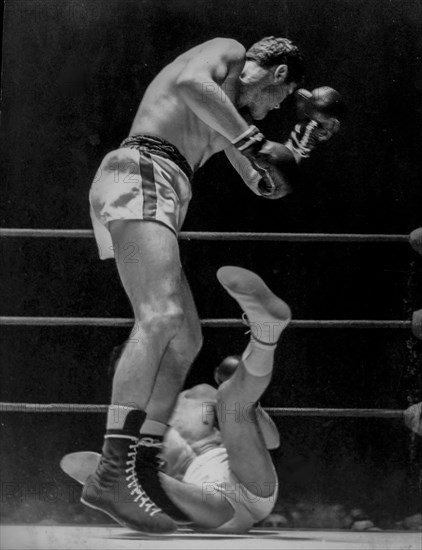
{"x": 73, "y": 74}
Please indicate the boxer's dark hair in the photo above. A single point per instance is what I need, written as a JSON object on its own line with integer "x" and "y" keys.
{"x": 227, "y": 367}
{"x": 272, "y": 51}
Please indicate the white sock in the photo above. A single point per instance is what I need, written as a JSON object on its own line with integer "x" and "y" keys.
{"x": 152, "y": 427}
{"x": 258, "y": 359}
{"x": 265, "y": 331}
{"x": 116, "y": 416}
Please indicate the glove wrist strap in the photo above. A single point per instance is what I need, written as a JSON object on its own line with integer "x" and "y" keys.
{"x": 250, "y": 138}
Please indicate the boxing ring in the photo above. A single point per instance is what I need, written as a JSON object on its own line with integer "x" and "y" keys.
{"x": 117, "y": 538}
{"x": 105, "y": 537}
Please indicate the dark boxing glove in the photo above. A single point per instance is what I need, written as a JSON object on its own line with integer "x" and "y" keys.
{"x": 273, "y": 161}
{"x": 321, "y": 112}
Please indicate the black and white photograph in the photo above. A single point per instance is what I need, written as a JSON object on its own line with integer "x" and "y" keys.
{"x": 211, "y": 298}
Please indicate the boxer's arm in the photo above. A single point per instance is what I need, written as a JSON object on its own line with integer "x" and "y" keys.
{"x": 201, "y": 84}
{"x": 244, "y": 168}
{"x": 253, "y": 178}
{"x": 268, "y": 428}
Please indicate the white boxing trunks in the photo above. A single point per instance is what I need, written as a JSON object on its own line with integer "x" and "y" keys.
{"x": 145, "y": 179}
{"x": 211, "y": 471}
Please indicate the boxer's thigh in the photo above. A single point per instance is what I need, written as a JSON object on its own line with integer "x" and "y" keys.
{"x": 148, "y": 262}
{"x": 249, "y": 458}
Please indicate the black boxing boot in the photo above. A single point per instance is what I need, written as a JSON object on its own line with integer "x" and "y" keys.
{"x": 148, "y": 463}
{"x": 115, "y": 488}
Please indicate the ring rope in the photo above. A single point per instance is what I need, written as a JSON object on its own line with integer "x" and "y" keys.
{"x": 213, "y": 323}
{"x": 206, "y": 323}
{"x": 274, "y": 411}
{"x": 220, "y": 236}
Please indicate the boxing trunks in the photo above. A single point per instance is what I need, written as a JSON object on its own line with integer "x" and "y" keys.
{"x": 211, "y": 471}
{"x": 145, "y": 179}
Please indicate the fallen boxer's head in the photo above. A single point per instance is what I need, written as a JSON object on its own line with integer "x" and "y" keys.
{"x": 226, "y": 368}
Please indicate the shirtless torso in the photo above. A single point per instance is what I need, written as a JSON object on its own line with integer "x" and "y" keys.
{"x": 193, "y": 429}
{"x": 165, "y": 112}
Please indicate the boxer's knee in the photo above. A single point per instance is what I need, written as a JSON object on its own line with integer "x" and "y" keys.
{"x": 165, "y": 321}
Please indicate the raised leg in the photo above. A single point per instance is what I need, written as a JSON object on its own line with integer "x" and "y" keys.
{"x": 248, "y": 456}
{"x": 268, "y": 315}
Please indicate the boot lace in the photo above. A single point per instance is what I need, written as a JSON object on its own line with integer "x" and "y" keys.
{"x": 150, "y": 442}
{"x": 155, "y": 444}
{"x": 133, "y": 483}
{"x": 245, "y": 321}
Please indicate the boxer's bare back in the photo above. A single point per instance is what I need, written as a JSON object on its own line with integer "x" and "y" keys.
{"x": 167, "y": 110}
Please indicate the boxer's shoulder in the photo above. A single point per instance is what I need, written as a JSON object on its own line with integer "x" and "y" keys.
{"x": 227, "y": 44}
{"x": 214, "y": 50}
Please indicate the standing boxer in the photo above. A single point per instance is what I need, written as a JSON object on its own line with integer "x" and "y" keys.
{"x": 139, "y": 198}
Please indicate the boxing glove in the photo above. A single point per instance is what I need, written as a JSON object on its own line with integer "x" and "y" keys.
{"x": 273, "y": 161}
{"x": 321, "y": 112}
{"x": 280, "y": 167}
